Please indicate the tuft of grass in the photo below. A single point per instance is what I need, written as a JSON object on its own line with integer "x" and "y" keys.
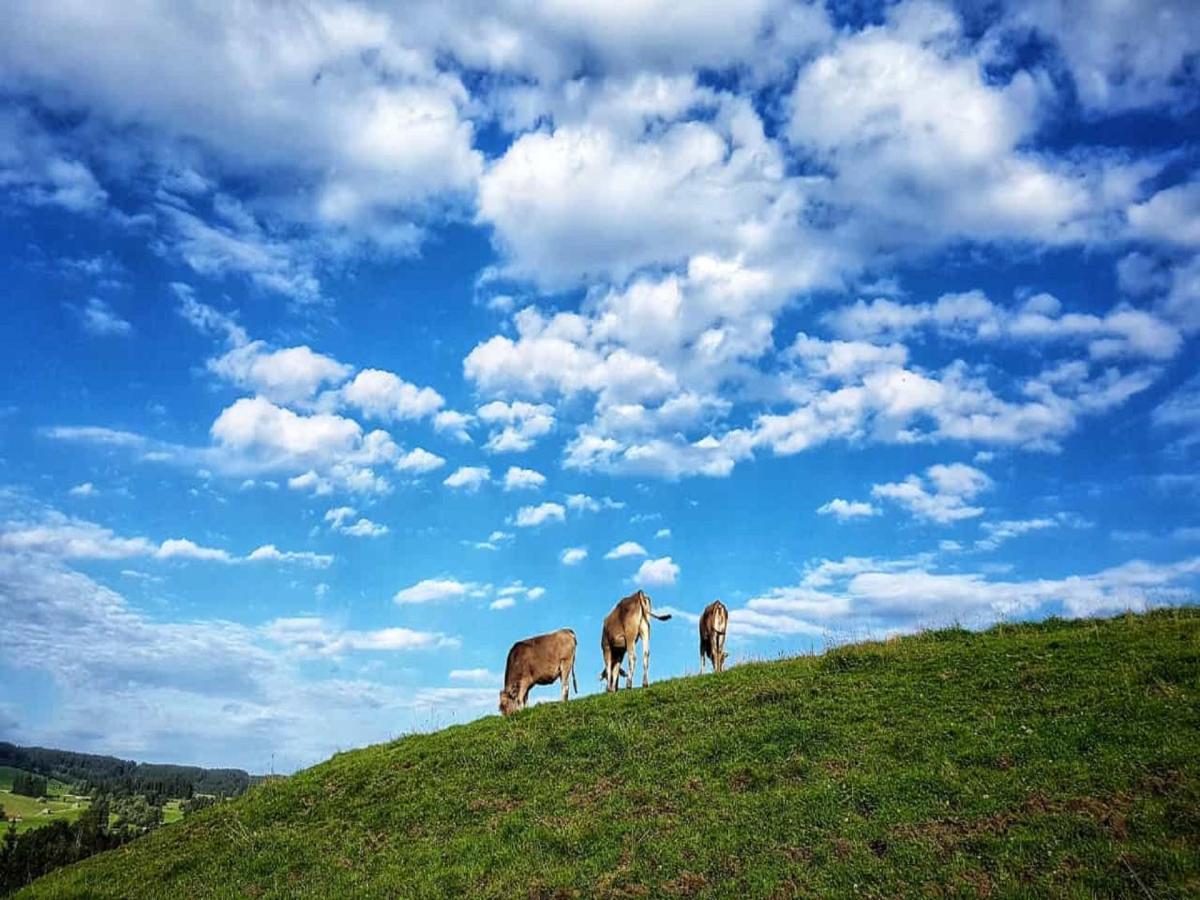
{"x": 1055, "y": 759}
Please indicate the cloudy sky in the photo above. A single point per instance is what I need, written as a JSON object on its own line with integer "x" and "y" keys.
{"x": 344, "y": 345}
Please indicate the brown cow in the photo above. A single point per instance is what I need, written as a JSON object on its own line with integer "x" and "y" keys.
{"x": 537, "y": 660}
{"x": 628, "y": 623}
{"x": 713, "y": 623}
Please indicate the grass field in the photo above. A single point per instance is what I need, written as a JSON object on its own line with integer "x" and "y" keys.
{"x": 172, "y": 811}
{"x": 1057, "y": 759}
{"x": 32, "y": 813}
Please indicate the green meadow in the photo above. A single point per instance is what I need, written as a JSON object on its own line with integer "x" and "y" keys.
{"x": 1054, "y": 759}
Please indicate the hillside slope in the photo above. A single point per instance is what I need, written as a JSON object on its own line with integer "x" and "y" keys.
{"x": 1058, "y": 759}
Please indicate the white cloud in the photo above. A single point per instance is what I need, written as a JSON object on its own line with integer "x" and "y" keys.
{"x": 582, "y": 201}
{"x": 873, "y": 110}
{"x": 419, "y": 461}
{"x": 285, "y": 376}
{"x": 182, "y": 548}
{"x": 532, "y": 516}
{"x": 64, "y": 538}
{"x": 1181, "y": 411}
{"x": 657, "y": 571}
{"x": 1111, "y": 72}
{"x": 586, "y": 503}
{"x": 99, "y": 319}
{"x": 365, "y": 126}
{"x": 479, "y": 675}
{"x": 516, "y": 479}
{"x": 847, "y": 596}
{"x": 952, "y": 486}
{"x": 663, "y": 533}
{"x": 468, "y": 478}
{"x": 1171, "y": 216}
{"x": 494, "y": 540}
{"x": 340, "y": 521}
{"x": 999, "y": 532}
{"x": 520, "y": 424}
{"x": 971, "y": 316}
{"x": 86, "y": 489}
{"x": 455, "y": 424}
{"x": 271, "y": 553}
{"x": 384, "y": 395}
{"x": 573, "y": 556}
{"x": 628, "y": 548}
{"x": 256, "y": 435}
{"x": 502, "y": 603}
{"x": 313, "y": 636}
{"x": 845, "y": 510}
{"x": 432, "y": 590}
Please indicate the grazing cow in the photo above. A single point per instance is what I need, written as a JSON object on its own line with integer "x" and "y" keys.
{"x": 537, "y": 660}
{"x": 628, "y": 623}
{"x": 713, "y": 623}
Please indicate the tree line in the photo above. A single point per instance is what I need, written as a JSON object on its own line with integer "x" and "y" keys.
{"x": 88, "y": 772}
{"x": 28, "y": 785}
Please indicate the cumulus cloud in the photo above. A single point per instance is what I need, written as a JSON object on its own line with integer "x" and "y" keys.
{"x": 657, "y": 571}
{"x": 419, "y": 461}
{"x": 626, "y": 549}
{"x": 532, "y": 516}
{"x": 284, "y": 376}
{"x": 255, "y": 435}
{"x": 942, "y": 496}
{"x": 432, "y": 590}
{"x": 468, "y": 478}
{"x": 367, "y": 127}
{"x": 517, "y": 479}
{"x": 516, "y": 426}
{"x": 455, "y": 424}
{"x": 1112, "y": 73}
{"x": 384, "y": 395}
{"x": 342, "y": 520}
{"x": 573, "y": 556}
{"x": 845, "y": 510}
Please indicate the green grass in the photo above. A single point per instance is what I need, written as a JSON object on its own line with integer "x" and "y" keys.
{"x": 1058, "y": 759}
{"x": 32, "y": 812}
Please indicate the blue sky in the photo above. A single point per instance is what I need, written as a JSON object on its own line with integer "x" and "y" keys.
{"x": 342, "y": 348}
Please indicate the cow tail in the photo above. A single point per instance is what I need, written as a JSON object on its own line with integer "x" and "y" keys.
{"x": 573, "y": 681}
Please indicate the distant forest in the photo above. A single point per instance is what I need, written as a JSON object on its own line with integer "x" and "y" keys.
{"x": 87, "y": 773}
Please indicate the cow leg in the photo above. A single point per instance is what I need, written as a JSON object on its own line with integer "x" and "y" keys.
{"x": 645, "y": 655}
{"x": 609, "y": 681}
{"x": 719, "y": 657}
{"x": 631, "y": 649}
{"x": 703, "y": 649}
{"x": 565, "y": 674}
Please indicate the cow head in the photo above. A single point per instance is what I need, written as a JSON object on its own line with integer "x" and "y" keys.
{"x": 509, "y": 701}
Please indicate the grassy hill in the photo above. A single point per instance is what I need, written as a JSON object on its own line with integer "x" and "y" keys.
{"x": 1056, "y": 759}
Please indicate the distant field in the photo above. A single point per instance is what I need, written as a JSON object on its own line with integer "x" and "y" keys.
{"x": 172, "y": 811}
{"x": 1048, "y": 760}
{"x": 32, "y": 812}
